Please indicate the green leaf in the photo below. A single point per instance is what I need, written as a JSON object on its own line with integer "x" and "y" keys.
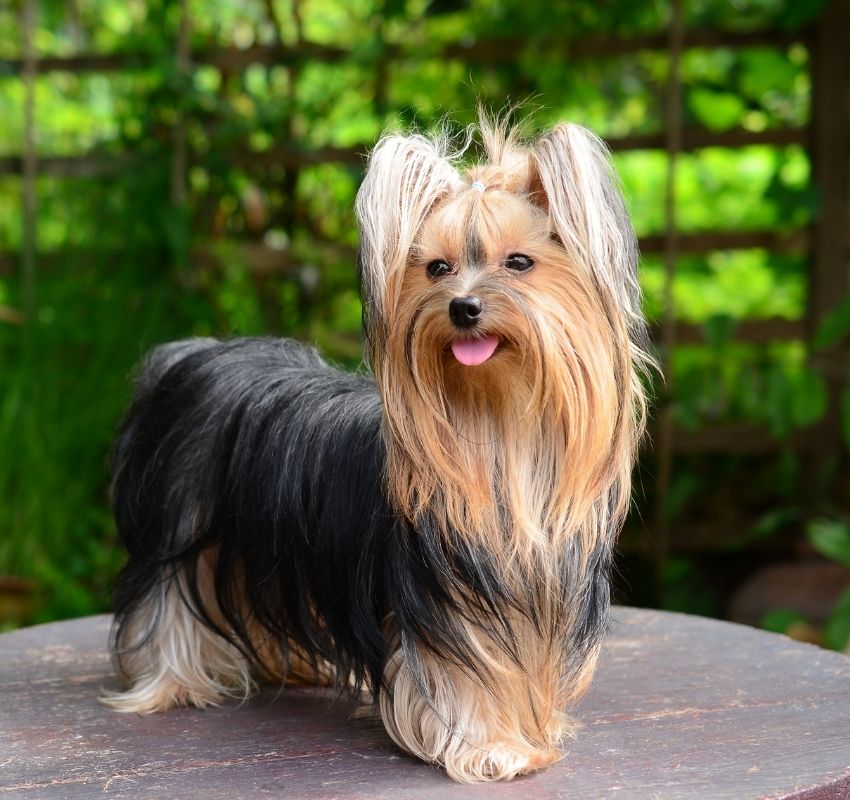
{"x": 780, "y": 620}
{"x": 718, "y": 111}
{"x": 763, "y": 71}
{"x": 683, "y": 488}
{"x": 830, "y": 538}
{"x": 777, "y": 401}
{"x": 773, "y": 522}
{"x": 796, "y": 15}
{"x": 807, "y": 398}
{"x": 718, "y": 329}
{"x": 834, "y": 326}
{"x": 836, "y": 631}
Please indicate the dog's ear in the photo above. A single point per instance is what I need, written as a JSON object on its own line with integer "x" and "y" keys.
{"x": 405, "y": 176}
{"x": 572, "y": 179}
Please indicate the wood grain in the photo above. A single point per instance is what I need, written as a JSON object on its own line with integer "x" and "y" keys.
{"x": 682, "y": 708}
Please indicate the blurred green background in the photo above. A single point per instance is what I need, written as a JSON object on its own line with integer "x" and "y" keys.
{"x": 175, "y": 167}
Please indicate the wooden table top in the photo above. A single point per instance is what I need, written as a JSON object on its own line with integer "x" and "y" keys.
{"x": 682, "y": 707}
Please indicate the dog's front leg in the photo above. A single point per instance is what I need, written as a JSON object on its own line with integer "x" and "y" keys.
{"x": 487, "y": 721}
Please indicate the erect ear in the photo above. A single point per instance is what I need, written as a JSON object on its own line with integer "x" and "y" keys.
{"x": 573, "y": 180}
{"x": 405, "y": 176}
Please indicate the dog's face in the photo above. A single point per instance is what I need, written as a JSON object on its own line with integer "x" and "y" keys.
{"x": 468, "y": 293}
{"x": 490, "y": 298}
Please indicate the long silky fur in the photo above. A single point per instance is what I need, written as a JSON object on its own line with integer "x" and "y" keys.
{"x": 259, "y": 452}
{"x": 439, "y": 541}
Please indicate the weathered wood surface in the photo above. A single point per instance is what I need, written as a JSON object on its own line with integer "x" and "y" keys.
{"x": 682, "y": 708}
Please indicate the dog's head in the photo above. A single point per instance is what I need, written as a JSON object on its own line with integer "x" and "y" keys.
{"x": 503, "y": 317}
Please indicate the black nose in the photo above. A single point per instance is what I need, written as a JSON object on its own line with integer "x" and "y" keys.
{"x": 465, "y": 311}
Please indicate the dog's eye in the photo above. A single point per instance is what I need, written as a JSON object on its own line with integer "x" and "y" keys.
{"x": 438, "y": 268}
{"x": 519, "y": 262}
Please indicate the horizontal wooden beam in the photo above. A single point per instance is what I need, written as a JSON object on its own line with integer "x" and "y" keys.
{"x": 294, "y": 157}
{"x": 229, "y": 59}
{"x": 13, "y": 585}
{"x": 720, "y": 535}
{"x": 601, "y": 46}
{"x": 699, "y": 138}
{"x": 11, "y": 316}
{"x": 751, "y": 331}
{"x": 93, "y": 164}
{"x": 605, "y": 46}
{"x": 260, "y": 259}
{"x": 734, "y": 437}
{"x": 85, "y": 165}
{"x": 793, "y": 241}
{"x": 481, "y": 51}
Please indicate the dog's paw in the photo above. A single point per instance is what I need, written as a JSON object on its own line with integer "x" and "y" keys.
{"x": 150, "y": 695}
{"x": 470, "y": 764}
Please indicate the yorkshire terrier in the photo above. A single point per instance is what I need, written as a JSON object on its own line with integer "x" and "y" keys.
{"x": 437, "y": 533}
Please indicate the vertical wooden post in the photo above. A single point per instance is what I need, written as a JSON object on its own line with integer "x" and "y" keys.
{"x": 179, "y": 240}
{"x": 30, "y": 164}
{"x": 829, "y": 276}
{"x": 664, "y": 444}
{"x": 289, "y": 33}
{"x": 293, "y": 173}
{"x": 179, "y": 157}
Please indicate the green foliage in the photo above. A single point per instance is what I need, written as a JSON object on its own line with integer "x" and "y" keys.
{"x": 833, "y": 330}
{"x": 124, "y": 269}
{"x": 836, "y": 632}
{"x": 781, "y": 620}
{"x": 717, "y": 110}
{"x": 835, "y": 326}
{"x": 831, "y": 538}
{"x": 686, "y": 588}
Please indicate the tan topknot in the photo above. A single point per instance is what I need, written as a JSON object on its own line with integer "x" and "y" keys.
{"x": 506, "y": 163}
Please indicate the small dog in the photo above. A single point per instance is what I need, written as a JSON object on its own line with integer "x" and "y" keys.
{"x": 438, "y": 533}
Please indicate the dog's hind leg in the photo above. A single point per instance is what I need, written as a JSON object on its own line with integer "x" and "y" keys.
{"x": 170, "y": 657}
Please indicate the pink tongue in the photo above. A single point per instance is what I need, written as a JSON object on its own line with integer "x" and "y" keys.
{"x": 472, "y": 352}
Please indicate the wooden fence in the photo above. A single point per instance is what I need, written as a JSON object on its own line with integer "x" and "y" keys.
{"x": 826, "y": 137}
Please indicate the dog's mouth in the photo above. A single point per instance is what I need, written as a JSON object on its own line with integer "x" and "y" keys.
{"x": 472, "y": 352}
